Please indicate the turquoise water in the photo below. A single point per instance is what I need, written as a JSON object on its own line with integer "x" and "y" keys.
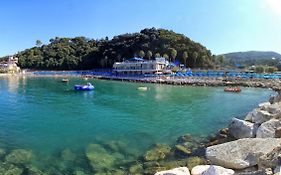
{"x": 47, "y": 116}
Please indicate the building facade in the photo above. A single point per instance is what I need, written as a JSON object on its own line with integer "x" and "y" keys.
{"x": 140, "y": 66}
{"x": 10, "y": 66}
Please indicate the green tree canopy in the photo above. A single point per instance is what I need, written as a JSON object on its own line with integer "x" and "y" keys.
{"x": 141, "y": 53}
{"x": 173, "y": 54}
{"x": 84, "y": 53}
{"x": 157, "y": 55}
{"x": 38, "y": 43}
{"x": 184, "y": 57}
{"x": 149, "y": 54}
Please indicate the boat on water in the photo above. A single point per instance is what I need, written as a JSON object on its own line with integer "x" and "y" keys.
{"x": 87, "y": 87}
{"x": 65, "y": 80}
{"x": 232, "y": 89}
{"x": 143, "y": 88}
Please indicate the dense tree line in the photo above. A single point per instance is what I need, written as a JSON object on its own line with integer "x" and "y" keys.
{"x": 83, "y": 53}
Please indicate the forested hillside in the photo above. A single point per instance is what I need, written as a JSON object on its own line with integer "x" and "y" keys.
{"x": 253, "y": 58}
{"x": 83, "y": 53}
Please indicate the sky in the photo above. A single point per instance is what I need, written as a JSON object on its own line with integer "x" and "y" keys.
{"x": 220, "y": 25}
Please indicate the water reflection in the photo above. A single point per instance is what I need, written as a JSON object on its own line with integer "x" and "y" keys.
{"x": 13, "y": 83}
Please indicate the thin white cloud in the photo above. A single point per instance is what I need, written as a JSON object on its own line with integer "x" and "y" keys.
{"x": 274, "y": 6}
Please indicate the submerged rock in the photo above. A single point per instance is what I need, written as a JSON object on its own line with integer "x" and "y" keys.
{"x": 33, "y": 170}
{"x": 241, "y": 153}
{"x": 268, "y": 129}
{"x": 184, "y": 138}
{"x": 10, "y": 169}
{"x": 100, "y": 159}
{"x": 115, "y": 146}
{"x": 68, "y": 155}
{"x": 157, "y": 153}
{"x": 175, "y": 171}
{"x": 194, "y": 161}
{"x": 2, "y": 153}
{"x": 136, "y": 169}
{"x": 19, "y": 156}
{"x": 242, "y": 129}
{"x": 79, "y": 172}
{"x": 182, "y": 150}
{"x": 153, "y": 170}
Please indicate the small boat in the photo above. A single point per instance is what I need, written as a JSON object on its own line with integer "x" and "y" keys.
{"x": 87, "y": 87}
{"x": 232, "y": 89}
{"x": 143, "y": 88}
{"x": 65, "y": 80}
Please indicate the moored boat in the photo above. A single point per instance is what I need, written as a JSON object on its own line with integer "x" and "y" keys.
{"x": 143, "y": 88}
{"x": 65, "y": 80}
{"x": 232, "y": 89}
{"x": 87, "y": 87}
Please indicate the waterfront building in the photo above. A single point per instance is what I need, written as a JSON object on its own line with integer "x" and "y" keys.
{"x": 10, "y": 66}
{"x": 141, "y": 66}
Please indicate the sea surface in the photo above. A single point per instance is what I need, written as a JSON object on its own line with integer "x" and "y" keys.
{"x": 47, "y": 116}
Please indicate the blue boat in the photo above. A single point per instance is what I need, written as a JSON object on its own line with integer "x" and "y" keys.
{"x": 87, "y": 87}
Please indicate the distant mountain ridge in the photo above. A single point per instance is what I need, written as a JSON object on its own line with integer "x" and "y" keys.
{"x": 252, "y": 55}
{"x": 253, "y": 58}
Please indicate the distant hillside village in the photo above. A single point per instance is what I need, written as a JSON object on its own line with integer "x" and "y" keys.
{"x": 10, "y": 66}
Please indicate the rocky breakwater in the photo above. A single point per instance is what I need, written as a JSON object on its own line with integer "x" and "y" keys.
{"x": 256, "y": 145}
{"x": 199, "y": 81}
{"x": 247, "y": 147}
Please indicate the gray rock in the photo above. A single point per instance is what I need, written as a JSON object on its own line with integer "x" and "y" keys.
{"x": 218, "y": 170}
{"x": 268, "y": 129}
{"x": 250, "y": 115}
{"x": 241, "y": 153}
{"x": 274, "y": 108}
{"x": 258, "y": 172}
{"x": 271, "y": 159}
{"x": 264, "y": 105}
{"x": 242, "y": 129}
{"x": 211, "y": 170}
{"x": 175, "y": 171}
{"x": 261, "y": 116}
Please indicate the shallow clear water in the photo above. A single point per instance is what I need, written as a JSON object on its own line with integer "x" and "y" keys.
{"x": 47, "y": 116}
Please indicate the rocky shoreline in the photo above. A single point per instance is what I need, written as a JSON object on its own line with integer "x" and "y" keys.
{"x": 247, "y": 147}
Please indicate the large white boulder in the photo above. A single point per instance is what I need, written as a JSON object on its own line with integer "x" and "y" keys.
{"x": 264, "y": 105}
{"x": 274, "y": 108}
{"x": 242, "y": 153}
{"x": 267, "y": 129}
{"x": 261, "y": 116}
{"x": 175, "y": 171}
{"x": 250, "y": 115}
{"x": 242, "y": 129}
{"x": 211, "y": 170}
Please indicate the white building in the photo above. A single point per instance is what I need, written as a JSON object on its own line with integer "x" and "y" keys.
{"x": 140, "y": 66}
{"x": 10, "y": 66}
